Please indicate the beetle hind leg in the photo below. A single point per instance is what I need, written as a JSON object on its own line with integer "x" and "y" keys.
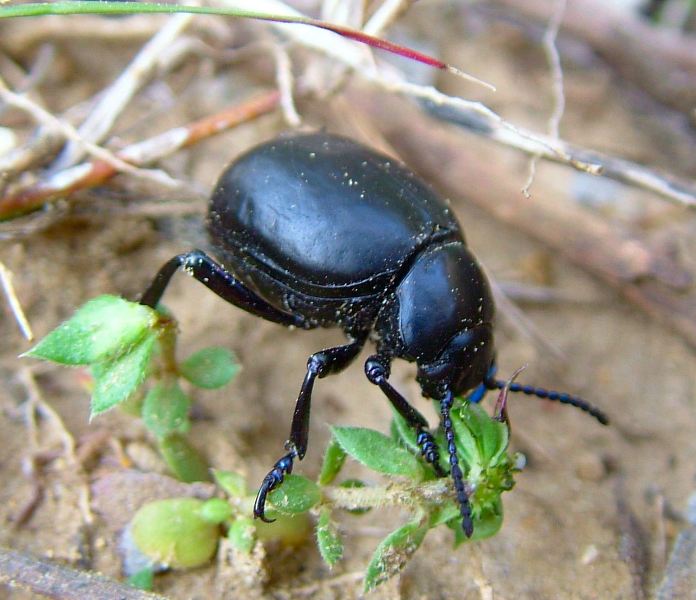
{"x": 217, "y": 279}
{"x": 321, "y": 364}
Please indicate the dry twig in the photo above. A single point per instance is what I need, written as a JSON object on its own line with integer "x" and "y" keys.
{"x": 659, "y": 60}
{"x": 88, "y": 175}
{"x": 42, "y": 577}
{"x": 13, "y": 301}
{"x": 36, "y": 405}
{"x": 43, "y": 117}
{"x": 284, "y": 79}
{"x": 519, "y": 321}
{"x": 23, "y": 34}
{"x": 116, "y": 97}
{"x": 549, "y": 45}
{"x": 678, "y": 191}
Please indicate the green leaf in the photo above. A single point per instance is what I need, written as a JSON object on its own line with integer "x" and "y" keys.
{"x": 142, "y": 580}
{"x": 289, "y": 530}
{"x": 297, "y": 494}
{"x": 486, "y": 525}
{"x": 475, "y": 428}
{"x": 378, "y": 452}
{"x": 443, "y": 514}
{"x": 491, "y": 435}
{"x": 165, "y": 409}
{"x": 328, "y": 540}
{"x": 216, "y": 510}
{"x": 242, "y": 534}
{"x": 115, "y": 380}
{"x": 466, "y": 442}
{"x": 173, "y": 532}
{"x": 334, "y": 457}
{"x": 210, "y": 368}
{"x": 233, "y": 484}
{"x": 406, "y": 434}
{"x": 183, "y": 459}
{"x": 104, "y": 328}
{"x": 393, "y": 553}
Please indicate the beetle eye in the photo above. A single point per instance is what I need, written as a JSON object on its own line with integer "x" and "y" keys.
{"x": 472, "y": 354}
{"x": 462, "y": 365}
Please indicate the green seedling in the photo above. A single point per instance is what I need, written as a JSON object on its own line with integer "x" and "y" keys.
{"x": 130, "y": 350}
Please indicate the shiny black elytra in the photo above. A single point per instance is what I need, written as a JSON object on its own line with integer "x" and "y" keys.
{"x": 320, "y": 231}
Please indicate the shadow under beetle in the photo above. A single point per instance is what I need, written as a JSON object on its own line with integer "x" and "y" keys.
{"x": 319, "y": 231}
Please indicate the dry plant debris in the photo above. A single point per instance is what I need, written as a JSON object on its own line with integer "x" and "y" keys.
{"x": 266, "y": 71}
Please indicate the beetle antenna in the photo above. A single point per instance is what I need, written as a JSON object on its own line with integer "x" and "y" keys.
{"x": 562, "y": 397}
{"x": 455, "y": 470}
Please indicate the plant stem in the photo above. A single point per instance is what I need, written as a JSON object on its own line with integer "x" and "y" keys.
{"x": 431, "y": 492}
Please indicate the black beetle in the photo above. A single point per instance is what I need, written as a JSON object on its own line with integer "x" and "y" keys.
{"x": 321, "y": 231}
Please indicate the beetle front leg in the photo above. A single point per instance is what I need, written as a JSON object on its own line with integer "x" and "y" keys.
{"x": 321, "y": 364}
{"x": 377, "y": 372}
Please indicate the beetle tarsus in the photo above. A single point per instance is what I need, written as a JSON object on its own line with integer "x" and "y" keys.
{"x": 270, "y": 482}
{"x": 429, "y": 451}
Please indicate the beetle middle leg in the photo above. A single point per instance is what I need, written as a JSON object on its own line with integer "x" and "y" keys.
{"x": 321, "y": 364}
{"x": 377, "y": 371}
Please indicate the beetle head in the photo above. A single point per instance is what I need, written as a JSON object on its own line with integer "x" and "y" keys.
{"x": 462, "y": 365}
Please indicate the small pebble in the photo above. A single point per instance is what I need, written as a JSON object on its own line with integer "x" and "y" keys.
{"x": 589, "y": 555}
{"x": 590, "y": 467}
{"x": 145, "y": 458}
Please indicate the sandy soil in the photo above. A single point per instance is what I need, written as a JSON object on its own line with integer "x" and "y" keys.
{"x": 587, "y": 518}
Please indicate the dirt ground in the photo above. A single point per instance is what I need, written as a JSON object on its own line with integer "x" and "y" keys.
{"x": 596, "y": 510}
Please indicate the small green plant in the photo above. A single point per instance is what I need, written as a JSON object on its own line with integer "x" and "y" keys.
{"x": 130, "y": 350}
{"x": 412, "y": 486}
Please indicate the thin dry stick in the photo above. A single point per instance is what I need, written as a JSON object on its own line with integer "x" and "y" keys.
{"x": 43, "y": 117}
{"x": 542, "y": 294}
{"x": 659, "y": 60}
{"x": 26, "y": 82}
{"x": 549, "y": 45}
{"x": 29, "y": 32}
{"x": 117, "y": 96}
{"x": 482, "y": 121}
{"x": 359, "y": 58}
{"x": 13, "y": 301}
{"x": 88, "y": 175}
{"x": 384, "y": 16}
{"x": 48, "y": 579}
{"x": 285, "y": 82}
{"x": 36, "y": 404}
